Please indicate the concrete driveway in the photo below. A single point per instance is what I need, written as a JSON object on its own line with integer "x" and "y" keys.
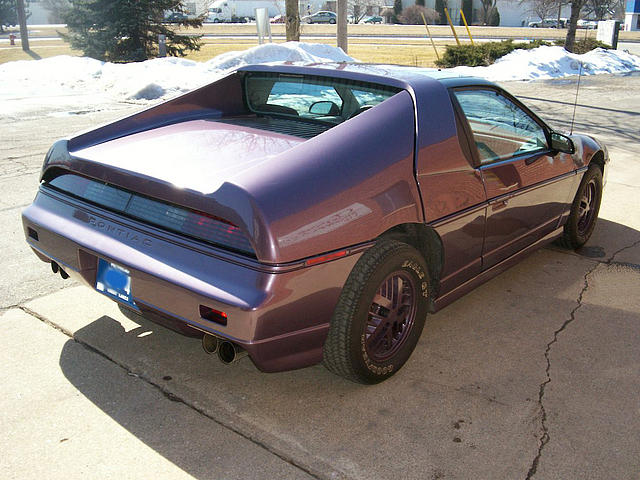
{"x": 536, "y": 374}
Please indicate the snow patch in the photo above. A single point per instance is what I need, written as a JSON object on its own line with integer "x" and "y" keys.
{"x": 66, "y": 82}
{"x": 553, "y": 62}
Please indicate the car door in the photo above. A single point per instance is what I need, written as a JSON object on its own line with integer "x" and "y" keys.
{"x": 526, "y": 183}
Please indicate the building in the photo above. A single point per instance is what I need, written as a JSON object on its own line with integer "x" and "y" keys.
{"x": 632, "y": 15}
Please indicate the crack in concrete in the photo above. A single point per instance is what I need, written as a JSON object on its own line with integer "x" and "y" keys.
{"x": 319, "y": 475}
{"x": 545, "y": 438}
{"x": 620, "y": 250}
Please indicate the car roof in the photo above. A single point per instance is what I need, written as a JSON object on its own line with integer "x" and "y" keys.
{"x": 393, "y": 75}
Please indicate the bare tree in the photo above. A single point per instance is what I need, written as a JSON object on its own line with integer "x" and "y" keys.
{"x": 487, "y": 8}
{"x": 358, "y": 9}
{"x": 541, "y": 8}
{"x": 601, "y": 9}
{"x": 570, "y": 40}
{"x": 413, "y": 15}
{"x": 292, "y": 24}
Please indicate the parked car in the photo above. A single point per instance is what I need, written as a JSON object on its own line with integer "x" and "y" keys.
{"x": 546, "y": 23}
{"x": 587, "y": 24}
{"x": 305, "y": 214}
{"x": 373, "y": 19}
{"x": 320, "y": 17}
{"x": 176, "y": 17}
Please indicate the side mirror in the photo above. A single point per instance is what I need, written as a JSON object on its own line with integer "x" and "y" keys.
{"x": 562, "y": 143}
{"x": 324, "y": 108}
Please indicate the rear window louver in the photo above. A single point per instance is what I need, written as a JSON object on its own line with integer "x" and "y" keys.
{"x": 186, "y": 222}
{"x": 295, "y": 128}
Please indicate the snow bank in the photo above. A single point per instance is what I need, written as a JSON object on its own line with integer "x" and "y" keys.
{"x": 553, "y": 62}
{"x": 75, "y": 81}
{"x": 150, "y": 80}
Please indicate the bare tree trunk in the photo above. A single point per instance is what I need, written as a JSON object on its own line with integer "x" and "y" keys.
{"x": 570, "y": 40}
{"x": 292, "y": 25}
{"x": 22, "y": 19}
{"x": 342, "y": 24}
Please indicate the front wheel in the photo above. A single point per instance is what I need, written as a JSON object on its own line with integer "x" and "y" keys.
{"x": 332, "y": 21}
{"x": 380, "y": 314}
{"x": 584, "y": 210}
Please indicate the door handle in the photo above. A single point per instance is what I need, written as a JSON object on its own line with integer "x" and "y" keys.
{"x": 499, "y": 204}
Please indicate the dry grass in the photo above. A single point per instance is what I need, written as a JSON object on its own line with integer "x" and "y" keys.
{"x": 418, "y": 53}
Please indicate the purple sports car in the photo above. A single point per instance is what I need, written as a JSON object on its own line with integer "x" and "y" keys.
{"x": 306, "y": 214}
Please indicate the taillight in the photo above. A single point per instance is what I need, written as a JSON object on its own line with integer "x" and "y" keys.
{"x": 191, "y": 223}
{"x": 213, "y": 315}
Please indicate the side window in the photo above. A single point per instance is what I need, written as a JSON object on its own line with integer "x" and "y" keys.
{"x": 501, "y": 129}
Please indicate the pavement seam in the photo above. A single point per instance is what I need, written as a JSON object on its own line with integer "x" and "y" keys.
{"x": 175, "y": 398}
{"x": 545, "y": 438}
{"x": 68, "y": 284}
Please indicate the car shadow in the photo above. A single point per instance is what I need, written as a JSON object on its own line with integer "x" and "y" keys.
{"x": 480, "y": 360}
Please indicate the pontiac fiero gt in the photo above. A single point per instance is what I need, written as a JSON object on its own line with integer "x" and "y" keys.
{"x": 306, "y": 214}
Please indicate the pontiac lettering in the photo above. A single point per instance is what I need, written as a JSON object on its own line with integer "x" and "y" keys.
{"x": 119, "y": 232}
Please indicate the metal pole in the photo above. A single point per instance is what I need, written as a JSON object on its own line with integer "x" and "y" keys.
{"x": 22, "y": 18}
{"x": 466, "y": 25}
{"x": 342, "y": 24}
{"x": 162, "y": 45}
{"x": 430, "y": 37}
{"x": 446, "y": 12}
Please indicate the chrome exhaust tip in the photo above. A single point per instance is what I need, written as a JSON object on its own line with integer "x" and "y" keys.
{"x": 210, "y": 343}
{"x": 229, "y": 352}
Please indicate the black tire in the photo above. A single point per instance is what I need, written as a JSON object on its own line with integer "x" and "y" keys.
{"x": 332, "y": 21}
{"x": 584, "y": 210}
{"x": 365, "y": 344}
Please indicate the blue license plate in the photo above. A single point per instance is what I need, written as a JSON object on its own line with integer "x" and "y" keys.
{"x": 115, "y": 282}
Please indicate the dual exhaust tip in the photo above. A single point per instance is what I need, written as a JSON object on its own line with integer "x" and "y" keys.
{"x": 228, "y": 352}
{"x": 55, "y": 268}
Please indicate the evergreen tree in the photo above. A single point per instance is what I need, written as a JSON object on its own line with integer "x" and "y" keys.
{"x": 440, "y": 6}
{"x": 126, "y": 30}
{"x": 494, "y": 17}
{"x": 467, "y": 9}
{"x": 8, "y": 15}
{"x": 397, "y": 10}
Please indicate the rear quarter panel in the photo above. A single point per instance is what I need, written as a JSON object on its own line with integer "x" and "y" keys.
{"x": 341, "y": 188}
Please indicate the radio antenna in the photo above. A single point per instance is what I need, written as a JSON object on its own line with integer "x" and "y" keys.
{"x": 575, "y": 102}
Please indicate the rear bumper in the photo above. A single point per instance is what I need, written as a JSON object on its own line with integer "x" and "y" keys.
{"x": 279, "y": 314}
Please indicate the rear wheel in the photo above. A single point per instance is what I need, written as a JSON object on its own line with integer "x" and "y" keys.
{"x": 380, "y": 314}
{"x": 584, "y": 210}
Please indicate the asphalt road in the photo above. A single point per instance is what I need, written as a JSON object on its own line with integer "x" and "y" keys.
{"x": 535, "y": 374}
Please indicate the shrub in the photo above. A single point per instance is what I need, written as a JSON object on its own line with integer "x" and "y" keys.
{"x": 412, "y": 15}
{"x": 585, "y": 45}
{"x": 482, "y": 54}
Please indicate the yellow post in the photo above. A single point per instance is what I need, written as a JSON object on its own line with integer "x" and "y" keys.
{"x": 466, "y": 25}
{"x": 446, "y": 12}
{"x": 430, "y": 37}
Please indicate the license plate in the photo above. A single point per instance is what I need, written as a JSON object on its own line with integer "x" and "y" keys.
{"x": 114, "y": 281}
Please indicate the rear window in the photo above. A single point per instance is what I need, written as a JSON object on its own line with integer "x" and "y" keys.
{"x": 330, "y": 100}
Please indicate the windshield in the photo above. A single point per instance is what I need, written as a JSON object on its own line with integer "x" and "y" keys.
{"x": 326, "y": 99}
